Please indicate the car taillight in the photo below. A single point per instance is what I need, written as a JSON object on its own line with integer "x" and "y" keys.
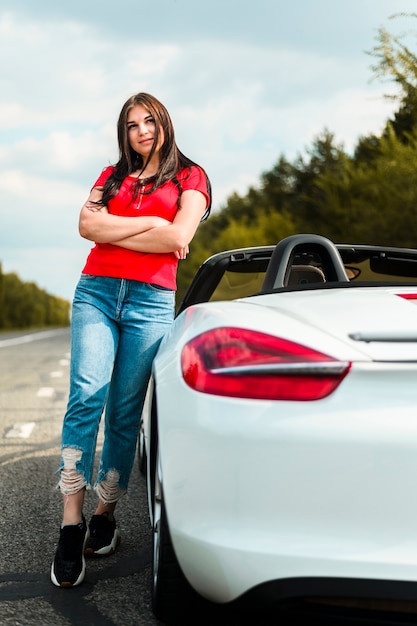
{"x": 408, "y": 296}
{"x": 243, "y": 363}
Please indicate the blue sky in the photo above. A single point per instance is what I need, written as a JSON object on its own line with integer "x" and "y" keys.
{"x": 245, "y": 82}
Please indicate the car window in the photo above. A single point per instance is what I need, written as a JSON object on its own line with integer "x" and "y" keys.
{"x": 242, "y": 272}
{"x": 235, "y": 285}
{"x": 240, "y": 285}
{"x": 382, "y": 271}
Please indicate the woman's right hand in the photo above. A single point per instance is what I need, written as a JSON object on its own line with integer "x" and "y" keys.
{"x": 95, "y": 206}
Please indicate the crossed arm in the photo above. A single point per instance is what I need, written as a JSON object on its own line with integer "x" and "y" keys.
{"x": 143, "y": 233}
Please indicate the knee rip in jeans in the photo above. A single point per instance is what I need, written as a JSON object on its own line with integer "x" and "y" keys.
{"x": 108, "y": 489}
{"x": 71, "y": 480}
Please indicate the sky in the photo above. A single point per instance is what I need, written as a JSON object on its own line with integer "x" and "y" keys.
{"x": 245, "y": 83}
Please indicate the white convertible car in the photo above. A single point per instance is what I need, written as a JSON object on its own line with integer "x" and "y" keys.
{"x": 280, "y": 436}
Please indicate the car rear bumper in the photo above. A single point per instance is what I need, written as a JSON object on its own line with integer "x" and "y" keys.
{"x": 261, "y": 492}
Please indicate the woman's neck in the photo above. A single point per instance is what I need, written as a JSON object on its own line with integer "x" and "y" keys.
{"x": 150, "y": 170}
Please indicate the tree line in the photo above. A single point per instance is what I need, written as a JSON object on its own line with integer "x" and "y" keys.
{"x": 25, "y": 305}
{"x": 369, "y": 196}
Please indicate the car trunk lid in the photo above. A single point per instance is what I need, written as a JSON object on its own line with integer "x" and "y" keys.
{"x": 380, "y": 322}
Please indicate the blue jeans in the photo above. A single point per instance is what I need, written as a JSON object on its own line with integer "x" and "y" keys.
{"x": 116, "y": 328}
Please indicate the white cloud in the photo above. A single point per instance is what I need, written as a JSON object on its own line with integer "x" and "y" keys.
{"x": 48, "y": 192}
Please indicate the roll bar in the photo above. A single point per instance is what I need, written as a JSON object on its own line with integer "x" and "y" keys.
{"x": 282, "y": 258}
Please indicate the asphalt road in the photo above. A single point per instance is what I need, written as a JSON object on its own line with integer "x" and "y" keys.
{"x": 34, "y": 373}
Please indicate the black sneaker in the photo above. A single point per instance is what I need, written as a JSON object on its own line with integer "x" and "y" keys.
{"x": 68, "y": 567}
{"x": 104, "y": 536}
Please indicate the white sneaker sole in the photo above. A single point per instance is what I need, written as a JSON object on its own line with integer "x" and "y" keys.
{"x": 107, "y": 550}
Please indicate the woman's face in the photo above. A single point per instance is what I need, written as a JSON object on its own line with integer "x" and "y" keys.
{"x": 141, "y": 128}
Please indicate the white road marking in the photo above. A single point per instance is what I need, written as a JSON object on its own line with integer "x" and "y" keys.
{"x": 56, "y": 374}
{"x": 64, "y": 362}
{"x": 22, "y": 431}
{"x": 45, "y": 392}
{"x": 14, "y": 341}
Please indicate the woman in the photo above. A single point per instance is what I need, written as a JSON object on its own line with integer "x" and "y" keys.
{"x": 141, "y": 213}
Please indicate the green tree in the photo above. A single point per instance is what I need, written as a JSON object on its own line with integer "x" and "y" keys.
{"x": 397, "y": 63}
{"x": 375, "y": 204}
{"x": 25, "y": 305}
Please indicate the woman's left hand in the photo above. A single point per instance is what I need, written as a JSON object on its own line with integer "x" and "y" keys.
{"x": 182, "y": 253}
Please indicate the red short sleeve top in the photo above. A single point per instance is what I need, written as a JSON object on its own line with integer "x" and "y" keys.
{"x": 161, "y": 269}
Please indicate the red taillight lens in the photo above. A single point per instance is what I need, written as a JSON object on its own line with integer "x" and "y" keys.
{"x": 408, "y": 296}
{"x": 249, "y": 364}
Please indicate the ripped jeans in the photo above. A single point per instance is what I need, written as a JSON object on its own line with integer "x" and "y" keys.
{"x": 116, "y": 328}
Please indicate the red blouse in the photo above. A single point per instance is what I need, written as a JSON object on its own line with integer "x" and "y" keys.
{"x": 106, "y": 259}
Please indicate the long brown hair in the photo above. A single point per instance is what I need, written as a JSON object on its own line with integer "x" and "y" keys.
{"x": 171, "y": 161}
